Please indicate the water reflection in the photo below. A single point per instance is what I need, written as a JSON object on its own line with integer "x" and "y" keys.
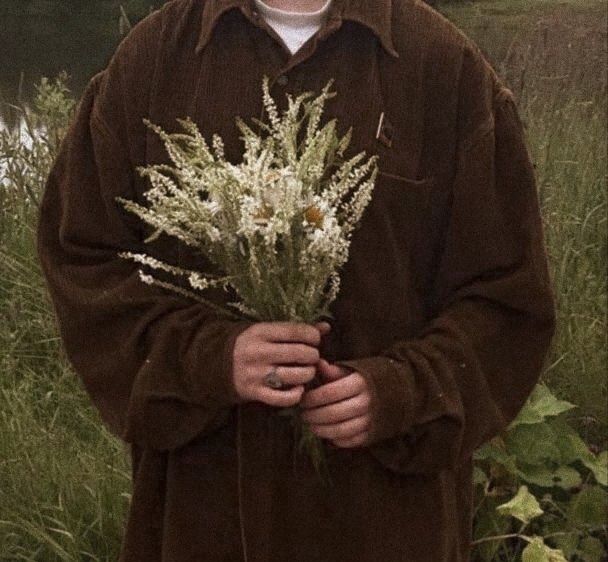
{"x": 42, "y": 37}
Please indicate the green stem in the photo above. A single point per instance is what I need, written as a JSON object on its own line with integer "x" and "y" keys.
{"x": 500, "y": 538}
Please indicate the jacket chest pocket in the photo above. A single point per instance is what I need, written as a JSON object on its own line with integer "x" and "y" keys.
{"x": 393, "y": 252}
{"x": 411, "y": 216}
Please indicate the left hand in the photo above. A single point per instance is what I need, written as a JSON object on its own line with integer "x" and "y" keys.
{"x": 340, "y": 409}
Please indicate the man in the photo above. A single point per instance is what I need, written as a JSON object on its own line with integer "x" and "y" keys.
{"x": 440, "y": 329}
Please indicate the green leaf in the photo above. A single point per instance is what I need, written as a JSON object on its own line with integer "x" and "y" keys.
{"x": 540, "y": 405}
{"x": 534, "y": 444}
{"x": 527, "y": 415}
{"x": 588, "y": 507}
{"x": 479, "y": 477}
{"x": 491, "y": 452}
{"x": 571, "y": 446}
{"x": 599, "y": 467}
{"x": 538, "y": 551}
{"x": 534, "y": 552}
{"x": 547, "y": 404}
{"x": 566, "y": 543}
{"x": 489, "y": 523}
{"x": 522, "y": 506}
{"x": 564, "y": 476}
{"x": 591, "y": 550}
{"x": 567, "y": 477}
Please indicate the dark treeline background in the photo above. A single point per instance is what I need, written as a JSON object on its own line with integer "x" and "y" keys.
{"x": 43, "y": 37}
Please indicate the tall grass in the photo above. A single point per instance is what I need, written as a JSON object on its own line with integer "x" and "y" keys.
{"x": 65, "y": 481}
{"x": 554, "y": 60}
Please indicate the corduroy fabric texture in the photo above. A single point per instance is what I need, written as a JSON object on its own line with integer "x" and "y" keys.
{"x": 446, "y": 306}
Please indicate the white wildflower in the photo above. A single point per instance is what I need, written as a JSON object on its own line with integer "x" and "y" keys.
{"x": 277, "y": 224}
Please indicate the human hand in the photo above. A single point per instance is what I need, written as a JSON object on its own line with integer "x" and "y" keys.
{"x": 291, "y": 347}
{"x": 339, "y": 410}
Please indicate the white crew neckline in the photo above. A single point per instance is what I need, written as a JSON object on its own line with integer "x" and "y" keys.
{"x": 291, "y": 18}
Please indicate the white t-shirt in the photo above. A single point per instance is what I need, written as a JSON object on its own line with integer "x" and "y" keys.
{"x": 295, "y": 28}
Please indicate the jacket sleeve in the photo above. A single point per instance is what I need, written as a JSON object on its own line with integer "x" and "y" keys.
{"x": 463, "y": 378}
{"x": 156, "y": 365}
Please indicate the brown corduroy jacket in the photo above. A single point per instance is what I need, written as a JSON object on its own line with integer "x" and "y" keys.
{"x": 445, "y": 307}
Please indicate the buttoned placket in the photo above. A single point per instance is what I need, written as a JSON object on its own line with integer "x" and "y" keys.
{"x": 307, "y": 50}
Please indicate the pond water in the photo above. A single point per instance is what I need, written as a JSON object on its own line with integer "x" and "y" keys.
{"x": 43, "y": 37}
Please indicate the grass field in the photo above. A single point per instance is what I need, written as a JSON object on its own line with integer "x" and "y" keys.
{"x": 553, "y": 56}
{"x": 65, "y": 482}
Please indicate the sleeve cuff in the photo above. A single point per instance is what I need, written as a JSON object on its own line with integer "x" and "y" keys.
{"x": 393, "y": 399}
{"x": 171, "y": 418}
{"x": 210, "y": 371}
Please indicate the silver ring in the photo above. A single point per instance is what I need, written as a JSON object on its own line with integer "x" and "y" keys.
{"x": 273, "y": 380}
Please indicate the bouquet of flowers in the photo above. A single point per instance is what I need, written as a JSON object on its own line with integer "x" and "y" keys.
{"x": 277, "y": 225}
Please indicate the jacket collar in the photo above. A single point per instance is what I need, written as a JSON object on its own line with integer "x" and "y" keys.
{"x": 375, "y": 15}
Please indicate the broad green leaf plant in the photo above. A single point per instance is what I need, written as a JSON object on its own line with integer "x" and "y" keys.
{"x": 541, "y": 492}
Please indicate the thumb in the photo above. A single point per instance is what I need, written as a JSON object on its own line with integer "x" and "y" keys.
{"x": 328, "y": 371}
{"x": 323, "y": 327}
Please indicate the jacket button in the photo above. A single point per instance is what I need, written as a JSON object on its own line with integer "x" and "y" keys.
{"x": 282, "y": 80}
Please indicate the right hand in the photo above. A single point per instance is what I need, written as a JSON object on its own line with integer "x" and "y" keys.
{"x": 289, "y": 346}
